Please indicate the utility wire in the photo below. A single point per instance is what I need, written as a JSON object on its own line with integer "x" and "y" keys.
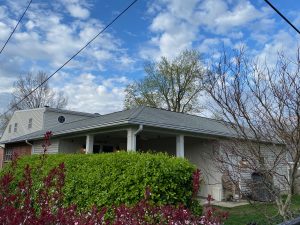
{"x": 80, "y": 50}
{"x": 283, "y": 17}
{"x": 13, "y": 31}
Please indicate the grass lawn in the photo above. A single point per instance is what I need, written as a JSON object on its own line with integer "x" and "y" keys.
{"x": 261, "y": 213}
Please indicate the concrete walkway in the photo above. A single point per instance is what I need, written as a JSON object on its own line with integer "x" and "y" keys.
{"x": 230, "y": 204}
{"x": 226, "y": 204}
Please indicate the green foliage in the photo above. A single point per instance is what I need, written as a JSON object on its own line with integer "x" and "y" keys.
{"x": 172, "y": 84}
{"x": 260, "y": 213}
{"x": 196, "y": 207}
{"x": 115, "y": 178}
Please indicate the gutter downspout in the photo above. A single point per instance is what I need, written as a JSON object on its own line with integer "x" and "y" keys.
{"x": 141, "y": 127}
{"x": 32, "y": 147}
{"x": 139, "y": 130}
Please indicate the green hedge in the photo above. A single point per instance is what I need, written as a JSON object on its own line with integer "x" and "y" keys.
{"x": 115, "y": 178}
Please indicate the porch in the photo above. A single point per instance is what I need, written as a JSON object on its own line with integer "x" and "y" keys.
{"x": 131, "y": 139}
{"x": 197, "y": 149}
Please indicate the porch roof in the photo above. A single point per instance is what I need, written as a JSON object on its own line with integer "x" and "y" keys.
{"x": 141, "y": 115}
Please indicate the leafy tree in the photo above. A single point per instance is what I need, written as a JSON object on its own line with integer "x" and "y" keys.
{"x": 174, "y": 85}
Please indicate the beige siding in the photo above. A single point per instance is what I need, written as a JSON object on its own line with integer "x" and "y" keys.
{"x": 270, "y": 153}
{"x": 199, "y": 152}
{"x": 280, "y": 176}
{"x": 70, "y": 146}
{"x": 281, "y": 167}
{"x": 41, "y": 119}
{"x": 53, "y": 148}
{"x": 22, "y": 119}
{"x": 51, "y": 118}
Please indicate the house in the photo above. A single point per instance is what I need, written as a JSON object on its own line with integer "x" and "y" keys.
{"x": 25, "y": 122}
{"x": 139, "y": 129}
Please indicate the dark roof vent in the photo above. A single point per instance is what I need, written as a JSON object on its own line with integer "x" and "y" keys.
{"x": 61, "y": 119}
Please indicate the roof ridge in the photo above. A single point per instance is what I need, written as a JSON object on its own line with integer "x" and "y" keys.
{"x": 69, "y": 111}
{"x": 137, "y": 112}
{"x": 187, "y": 114}
{"x": 91, "y": 118}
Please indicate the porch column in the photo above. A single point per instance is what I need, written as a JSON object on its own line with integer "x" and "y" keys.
{"x": 131, "y": 140}
{"x": 89, "y": 143}
{"x": 180, "y": 146}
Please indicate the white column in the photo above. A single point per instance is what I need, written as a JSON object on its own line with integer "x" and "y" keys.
{"x": 131, "y": 140}
{"x": 180, "y": 146}
{"x": 89, "y": 143}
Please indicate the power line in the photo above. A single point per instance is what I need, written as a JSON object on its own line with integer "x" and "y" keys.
{"x": 13, "y": 31}
{"x": 80, "y": 50}
{"x": 283, "y": 17}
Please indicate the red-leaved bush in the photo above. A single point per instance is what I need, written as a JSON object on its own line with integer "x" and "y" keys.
{"x": 46, "y": 207}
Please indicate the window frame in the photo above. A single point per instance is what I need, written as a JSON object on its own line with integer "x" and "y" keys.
{"x": 16, "y": 127}
{"x": 9, "y": 128}
{"x": 30, "y": 122}
{"x": 8, "y": 153}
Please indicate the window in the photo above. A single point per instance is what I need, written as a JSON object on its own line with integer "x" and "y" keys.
{"x": 16, "y": 127}
{"x": 9, "y": 128}
{"x": 8, "y": 155}
{"x": 30, "y": 123}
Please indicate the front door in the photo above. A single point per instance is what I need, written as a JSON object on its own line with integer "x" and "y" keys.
{"x": 96, "y": 149}
{"x": 107, "y": 148}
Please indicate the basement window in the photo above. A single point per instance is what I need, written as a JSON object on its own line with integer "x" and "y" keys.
{"x": 8, "y": 155}
{"x": 30, "y": 123}
{"x": 16, "y": 127}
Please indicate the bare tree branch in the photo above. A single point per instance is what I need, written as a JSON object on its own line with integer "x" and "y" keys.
{"x": 261, "y": 104}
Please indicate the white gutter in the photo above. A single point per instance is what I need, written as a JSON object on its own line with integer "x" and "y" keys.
{"x": 32, "y": 147}
{"x": 141, "y": 127}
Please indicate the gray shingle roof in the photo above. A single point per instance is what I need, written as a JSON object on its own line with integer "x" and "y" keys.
{"x": 141, "y": 115}
{"x": 181, "y": 121}
{"x": 50, "y": 109}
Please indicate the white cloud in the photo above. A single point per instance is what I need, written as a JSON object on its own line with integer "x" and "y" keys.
{"x": 88, "y": 93}
{"x": 241, "y": 15}
{"x": 4, "y": 31}
{"x": 210, "y": 44}
{"x": 76, "y": 8}
{"x": 4, "y": 101}
{"x": 282, "y": 41}
{"x": 179, "y": 25}
{"x": 46, "y": 39}
{"x": 173, "y": 26}
{"x": 221, "y": 16}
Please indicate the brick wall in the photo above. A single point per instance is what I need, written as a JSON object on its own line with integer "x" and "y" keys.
{"x": 18, "y": 148}
{"x": 1, "y": 156}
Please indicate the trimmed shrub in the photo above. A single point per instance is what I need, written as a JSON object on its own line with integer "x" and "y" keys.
{"x": 18, "y": 207}
{"x": 116, "y": 178}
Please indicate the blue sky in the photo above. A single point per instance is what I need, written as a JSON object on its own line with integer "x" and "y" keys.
{"x": 52, "y": 31}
